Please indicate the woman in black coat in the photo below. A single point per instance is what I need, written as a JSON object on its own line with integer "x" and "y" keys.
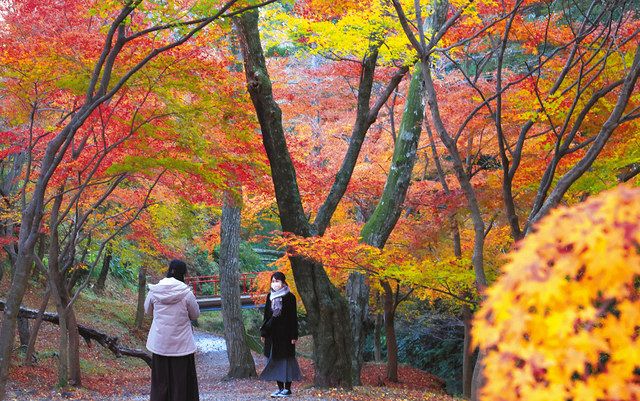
{"x": 279, "y": 332}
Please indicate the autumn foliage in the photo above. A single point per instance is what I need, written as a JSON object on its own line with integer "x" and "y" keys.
{"x": 528, "y": 105}
{"x": 563, "y": 322}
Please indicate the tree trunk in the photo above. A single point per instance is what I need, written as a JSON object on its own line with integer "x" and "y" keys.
{"x": 470, "y": 195}
{"x": 358, "y": 296}
{"x": 14, "y": 299}
{"x": 104, "y": 271}
{"x": 23, "y": 332}
{"x": 467, "y": 353}
{"x": 69, "y": 351}
{"x": 326, "y": 309}
{"x": 477, "y": 380}
{"x": 377, "y": 340}
{"x": 241, "y": 364}
{"x": 63, "y": 344}
{"x": 63, "y": 351}
{"x": 463, "y": 179}
{"x": 387, "y": 212}
{"x": 56, "y": 284}
{"x": 453, "y": 222}
{"x": 31, "y": 347}
{"x": 455, "y": 230}
{"x": 75, "y": 374}
{"x": 142, "y": 287}
{"x": 390, "y": 331}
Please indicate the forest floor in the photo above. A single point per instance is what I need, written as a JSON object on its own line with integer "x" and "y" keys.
{"x": 107, "y": 378}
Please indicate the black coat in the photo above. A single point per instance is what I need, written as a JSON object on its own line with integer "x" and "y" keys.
{"x": 278, "y": 331}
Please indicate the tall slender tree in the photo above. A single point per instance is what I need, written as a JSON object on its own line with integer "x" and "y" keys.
{"x": 241, "y": 364}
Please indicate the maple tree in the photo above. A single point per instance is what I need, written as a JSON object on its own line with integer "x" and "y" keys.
{"x": 550, "y": 49}
{"x": 74, "y": 121}
{"x": 122, "y": 127}
{"x": 562, "y": 320}
{"x": 464, "y": 101}
{"x": 328, "y": 371}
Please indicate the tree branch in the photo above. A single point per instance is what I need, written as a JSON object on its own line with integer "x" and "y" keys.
{"x": 88, "y": 333}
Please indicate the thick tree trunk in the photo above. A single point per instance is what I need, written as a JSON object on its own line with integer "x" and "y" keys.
{"x": 385, "y": 216}
{"x": 104, "y": 271}
{"x": 69, "y": 351}
{"x": 390, "y": 331}
{"x": 358, "y": 296}
{"x": 326, "y": 308}
{"x": 387, "y": 212}
{"x": 31, "y": 347}
{"x": 328, "y": 317}
{"x": 467, "y": 353}
{"x": 241, "y": 364}
{"x": 142, "y": 287}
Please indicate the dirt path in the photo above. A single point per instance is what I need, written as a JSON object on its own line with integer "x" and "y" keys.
{"x": 212, "y": 366}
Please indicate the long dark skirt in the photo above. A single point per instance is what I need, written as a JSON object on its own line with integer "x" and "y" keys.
{"x": 282, "y": 370}
{"x": 173, "y": 378}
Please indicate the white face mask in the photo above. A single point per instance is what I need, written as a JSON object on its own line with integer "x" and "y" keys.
{"x": 276, "y": 286}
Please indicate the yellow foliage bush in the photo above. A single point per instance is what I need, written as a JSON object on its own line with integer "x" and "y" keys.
{"x": 563, "y": 321}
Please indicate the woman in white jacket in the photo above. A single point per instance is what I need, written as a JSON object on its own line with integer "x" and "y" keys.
{"x": 173, "y": 305}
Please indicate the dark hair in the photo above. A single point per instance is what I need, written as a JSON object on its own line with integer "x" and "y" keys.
{"x": 279, "y": 276}
{"x": 177, "y": 269}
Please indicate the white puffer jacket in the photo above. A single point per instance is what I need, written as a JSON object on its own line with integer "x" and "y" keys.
{"x": 173, "y": 306}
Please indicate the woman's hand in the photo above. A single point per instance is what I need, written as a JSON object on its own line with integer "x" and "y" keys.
{"x": 262, "y": 339}
{"x": 294, "y": 341}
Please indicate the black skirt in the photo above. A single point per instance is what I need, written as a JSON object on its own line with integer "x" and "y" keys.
{"x": 282, "y": 370}
{"x": 173, "y": 378}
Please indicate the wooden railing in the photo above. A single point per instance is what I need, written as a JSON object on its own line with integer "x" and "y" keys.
{"x": 209, "y": 286}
